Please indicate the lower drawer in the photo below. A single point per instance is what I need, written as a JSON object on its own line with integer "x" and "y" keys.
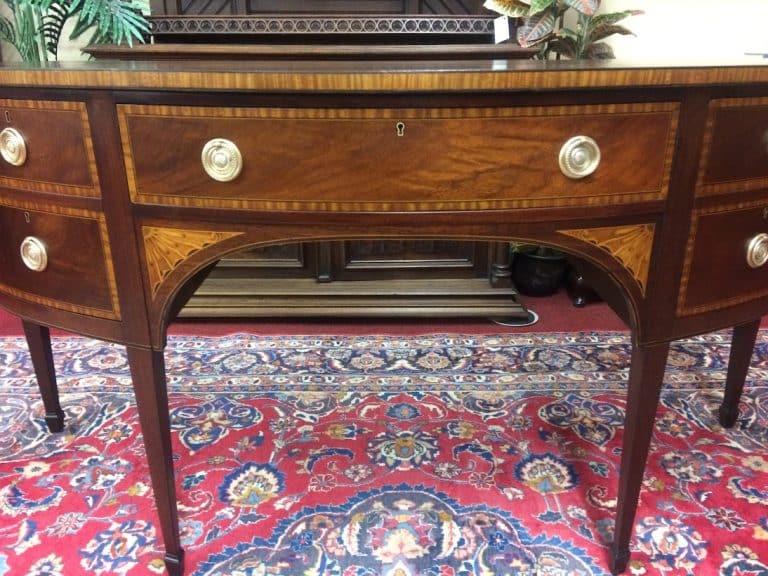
{"x": 717, "y": 272}
{"x": 70, "y": 250}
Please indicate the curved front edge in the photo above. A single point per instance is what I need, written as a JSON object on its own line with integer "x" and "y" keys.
{"x": 173, "y": 253}
{"x": 57, "y": 266}
{"x": 109, "y": 330}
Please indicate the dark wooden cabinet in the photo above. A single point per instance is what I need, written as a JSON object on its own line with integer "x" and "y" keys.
{"x": 425, "y": 278}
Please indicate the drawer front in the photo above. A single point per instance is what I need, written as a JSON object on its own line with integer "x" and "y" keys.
{"x": 735, "y": 155}
{"x": 78, "y": 274}
{"x": 395, "y": 159}
{"x": 716, "y": 273}
{"x": 58, "y": 147}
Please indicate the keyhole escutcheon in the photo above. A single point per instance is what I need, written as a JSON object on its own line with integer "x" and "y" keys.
{"x": 400, "y": 127}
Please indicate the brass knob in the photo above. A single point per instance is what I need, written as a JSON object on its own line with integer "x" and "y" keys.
{"x": 579, "y": 157}
{"x": 34, "y": 254}
{"x": 13, "y": 147}
{"x": 757, "y": 250}
{"x": 222, "y": 160}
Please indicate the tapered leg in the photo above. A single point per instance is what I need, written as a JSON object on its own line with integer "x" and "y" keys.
{"x": 645, "y": 380}
{"x": 39, "y": 342}
{"x": 148, "y": 374}
{"x": 742, "y": 345}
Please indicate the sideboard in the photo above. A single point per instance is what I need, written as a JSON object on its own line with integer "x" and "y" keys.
{"x": 122, "y": 184}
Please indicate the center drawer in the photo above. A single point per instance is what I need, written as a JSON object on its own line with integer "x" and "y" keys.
{"x": 395, "y": 159}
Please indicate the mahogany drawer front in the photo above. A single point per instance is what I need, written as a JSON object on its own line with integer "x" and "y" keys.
{"x": 716, "y": 273}
{"x": 396, "y": 159}
{"x": 78, "y": 275}
{"x": 735, "y": 154}
{"x": 59, "y": 150}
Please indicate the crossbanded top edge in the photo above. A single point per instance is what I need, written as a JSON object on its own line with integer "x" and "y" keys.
{"x": 367, "y": 76}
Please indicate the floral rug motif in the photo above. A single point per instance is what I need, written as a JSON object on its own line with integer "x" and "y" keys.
{"x": 443, "y": 455}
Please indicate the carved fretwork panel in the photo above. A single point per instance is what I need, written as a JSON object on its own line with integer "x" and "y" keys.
{"x": 315, "y": 7}
{"x": 448, "y": 7}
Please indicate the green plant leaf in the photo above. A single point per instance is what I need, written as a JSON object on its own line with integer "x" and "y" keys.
{"x": 568, "y": 33}
{"x": 564, "y": 46}
{"x": 536, "y": 28}
{"x": 116, "y": 21}
{"x": 586, "y": 7}
{"x": 540, "y": 5}
{"x": 604, "y": 31}
{"x": 612, "y": 17}
{"x": 511, "y": 8}
{"x": 7, "y": 31}
{"x": 54, "y": 20}
{"x": 599, "y": 51}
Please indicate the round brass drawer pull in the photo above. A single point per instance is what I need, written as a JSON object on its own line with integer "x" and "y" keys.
{"x": 757, "y": 250}
{"x": 13, "y": 147}
{"x": 579, "y": 157}
{"x": 34, "y": 254}
{"x": 222, "y": 160}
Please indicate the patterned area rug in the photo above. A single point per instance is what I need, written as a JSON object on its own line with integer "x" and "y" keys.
{"x": 351, "y": 456}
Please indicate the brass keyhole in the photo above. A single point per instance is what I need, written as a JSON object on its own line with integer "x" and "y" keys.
{"x": 26, "y": 217}
{"x": 8, "y": 116}
{"x": 400, "y": 127}
{"x": 765, "y": 213}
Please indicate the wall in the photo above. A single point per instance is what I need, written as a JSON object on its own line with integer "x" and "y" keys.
{"x": 697, "y": 31}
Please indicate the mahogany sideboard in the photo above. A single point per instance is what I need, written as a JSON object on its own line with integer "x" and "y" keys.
{"x": 122, "y": 184}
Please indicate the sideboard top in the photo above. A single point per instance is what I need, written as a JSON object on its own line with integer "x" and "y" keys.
{"x": 368, "y": 76}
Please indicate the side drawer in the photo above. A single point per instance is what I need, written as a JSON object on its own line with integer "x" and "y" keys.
{"x": 57, "y": 147}
{"x": 735, "y": 155}
{"x": 395, "y": 159}
{"x": 716, "y": 273}
{"x": 78, "y": 273}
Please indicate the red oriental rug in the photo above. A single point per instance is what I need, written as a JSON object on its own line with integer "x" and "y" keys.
{"x": 438, "y": 455}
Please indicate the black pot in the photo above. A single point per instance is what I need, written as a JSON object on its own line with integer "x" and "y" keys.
{"x": 538, "y": 272}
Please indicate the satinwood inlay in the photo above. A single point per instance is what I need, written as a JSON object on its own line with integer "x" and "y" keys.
{"x": 630, "y": 245}
{"x": 166, "y": 248}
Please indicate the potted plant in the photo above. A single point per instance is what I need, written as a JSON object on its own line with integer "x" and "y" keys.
{"x": 566, "y": 28}
{"x": 34, "y": 27}
{"x": 537, "y": 270}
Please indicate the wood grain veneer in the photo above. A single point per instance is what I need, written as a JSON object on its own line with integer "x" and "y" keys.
{"x": 354, "y": 159}
{"x": 735, "y": 154}
{"x": 715, "y": 272}
{"x": 60, "y": 156}
{"x": 80, "y": 275}
{"x": 360, "y": 76}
